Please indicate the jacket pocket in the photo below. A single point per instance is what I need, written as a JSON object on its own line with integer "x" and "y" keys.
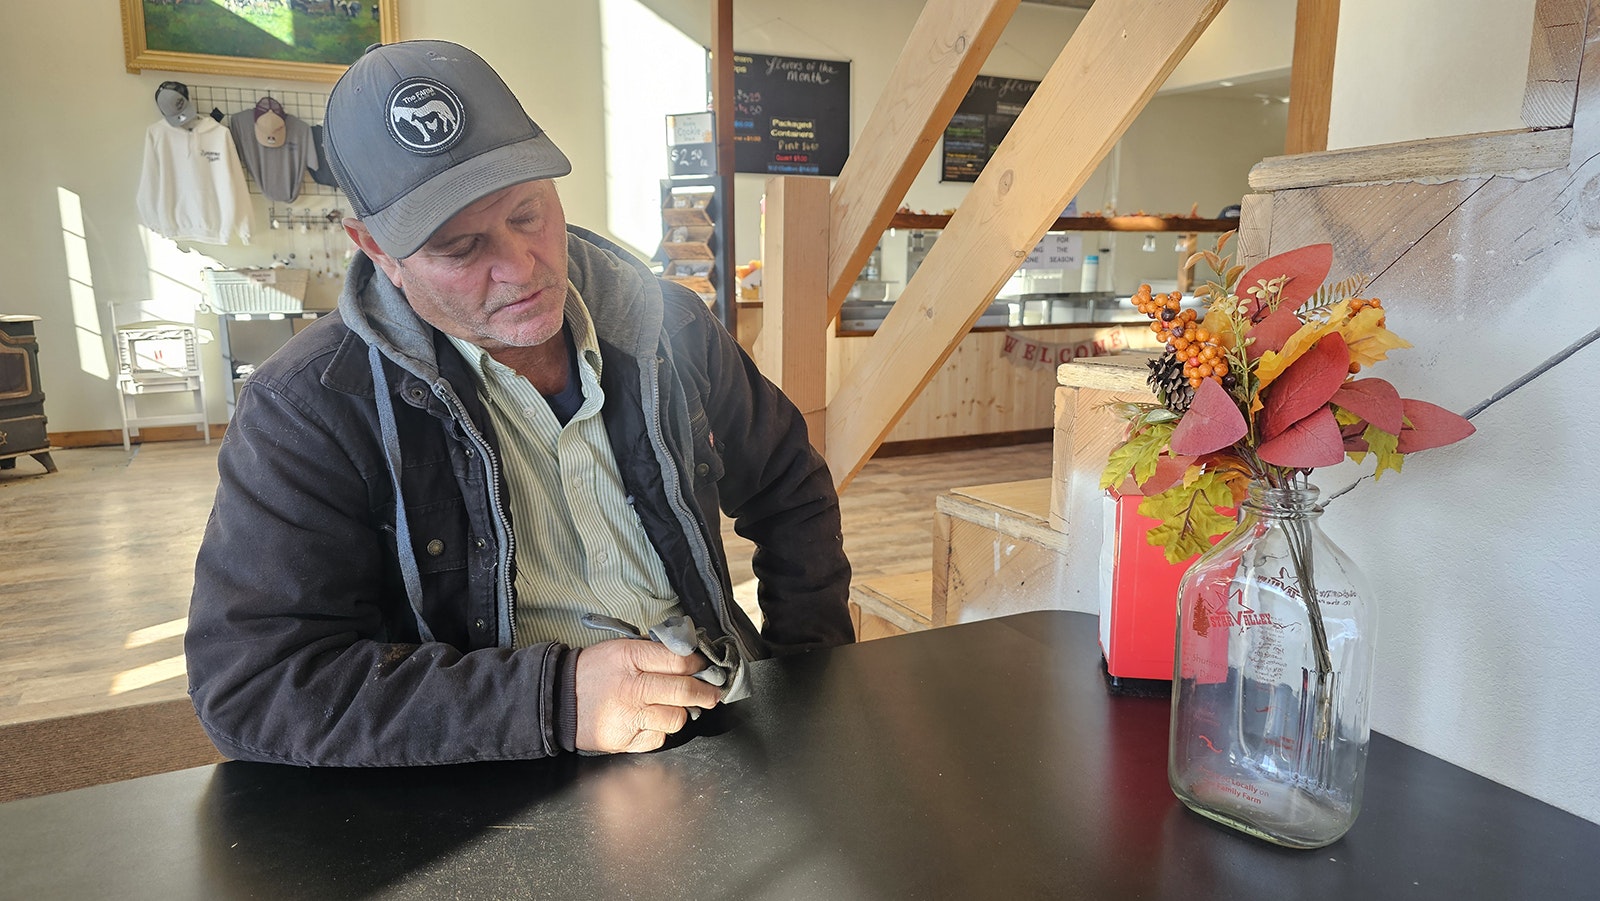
{"x": 707, "y": 457}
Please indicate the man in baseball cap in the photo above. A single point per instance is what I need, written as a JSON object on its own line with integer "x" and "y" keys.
{"x": 441, "y": 506}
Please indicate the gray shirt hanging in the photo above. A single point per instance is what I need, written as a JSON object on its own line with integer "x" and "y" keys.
{"x": 278, "y": 170}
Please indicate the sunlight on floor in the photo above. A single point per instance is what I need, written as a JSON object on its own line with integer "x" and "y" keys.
{"x": 172, "y": 628}
{"x": 147, "y": 675}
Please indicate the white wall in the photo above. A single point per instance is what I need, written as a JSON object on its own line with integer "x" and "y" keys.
{"x": 1426, "y": 68}
{"x": 1249, "y": 39}
{"x": 1483, "y": 551}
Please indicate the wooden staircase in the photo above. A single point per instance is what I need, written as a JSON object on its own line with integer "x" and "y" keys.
{"x": 1009, "y": 547}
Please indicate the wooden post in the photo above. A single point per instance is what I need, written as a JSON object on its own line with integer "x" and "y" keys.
{"x": 1553, "y": 61}
{"x": 795, "y": 302}
{"x": 722, "y": 115}
{"x": 1316, "y": 33}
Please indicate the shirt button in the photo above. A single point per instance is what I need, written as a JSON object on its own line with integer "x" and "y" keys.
{"x": 435, "y": 548}
{"x": 479, "y": 543}
{"x": 602, "y": 557}
{"x": 702, "y": 468}
{"x": 478, "y": 623}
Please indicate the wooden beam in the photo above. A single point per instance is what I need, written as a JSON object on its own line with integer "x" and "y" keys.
{"x": 1316, "y": 34}
{"x": 722, "y": 107}
{"x": 1121, "y": 52}
{"x": 1516, "y": 153}
{"x": 794, "y": 311}
{"x": 1128, "y": 223}
{"x": 947, "y": 46}
{"x": 1553, "y": 60}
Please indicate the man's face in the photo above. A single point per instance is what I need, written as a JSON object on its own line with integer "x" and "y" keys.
{"x": 495, "y": 274}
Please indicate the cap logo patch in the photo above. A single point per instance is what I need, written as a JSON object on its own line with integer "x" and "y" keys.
{"x": 425, "y": 116}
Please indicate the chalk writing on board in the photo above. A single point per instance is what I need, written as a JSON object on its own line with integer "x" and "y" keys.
{"x": 791, "y": 115}
{"x": 691, "y": 159}
{"x": 981, "y": 122}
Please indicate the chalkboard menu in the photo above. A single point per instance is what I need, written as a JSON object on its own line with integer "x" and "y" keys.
{"x": 980, "y": 123}
{"x": 791, "y": 115}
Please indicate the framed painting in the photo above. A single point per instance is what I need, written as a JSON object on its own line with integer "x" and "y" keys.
{"x": 307, "y": 40}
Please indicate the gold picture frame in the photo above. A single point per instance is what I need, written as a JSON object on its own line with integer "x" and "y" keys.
{"x": 247, "y": 48}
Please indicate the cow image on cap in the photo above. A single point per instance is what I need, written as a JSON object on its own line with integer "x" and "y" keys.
{"x": 440, "y": 506}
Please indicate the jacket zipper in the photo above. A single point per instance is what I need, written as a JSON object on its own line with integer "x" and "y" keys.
{"x": 508, "y": 539}
{"x": 698, "y": 544}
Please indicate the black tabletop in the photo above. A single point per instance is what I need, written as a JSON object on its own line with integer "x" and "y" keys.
{"x": 977, "y": 761}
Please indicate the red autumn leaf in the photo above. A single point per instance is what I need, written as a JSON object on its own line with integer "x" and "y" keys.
{"x": 1356, "y": 444}
{"x": 1430, "y": 426}
{"x": 1306, "y": 386}
{"x": 1305, "y": 267}
{"x": 1212, "y": 423}
{"x": 1374, "y": 400}
{"x": 1169, "y": 471}
{"x": 1313, "y": 441}
{"x": 1272, "y": 332}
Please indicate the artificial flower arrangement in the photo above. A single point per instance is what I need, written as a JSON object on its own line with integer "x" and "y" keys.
{"x": 1265, "y": 387}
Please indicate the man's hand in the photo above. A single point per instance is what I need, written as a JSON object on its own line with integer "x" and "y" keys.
{"x": 632, "y": 694}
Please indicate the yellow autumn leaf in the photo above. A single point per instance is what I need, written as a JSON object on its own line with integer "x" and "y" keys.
{"x": 1273, "y": 363}
{"x": 1368, "y": 341}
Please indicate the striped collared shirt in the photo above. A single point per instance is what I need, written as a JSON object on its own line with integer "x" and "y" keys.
{"x": 580, "y": 547}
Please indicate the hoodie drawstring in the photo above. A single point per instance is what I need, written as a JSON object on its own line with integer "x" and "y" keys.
{"x": 402, "y": 526}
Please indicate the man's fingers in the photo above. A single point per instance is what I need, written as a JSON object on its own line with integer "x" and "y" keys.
{"x": 662, "y": 718}
{"x": 677, "y": 691}
{"x": 649, "y": 657}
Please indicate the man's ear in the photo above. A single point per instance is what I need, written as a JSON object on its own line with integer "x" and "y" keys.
{"x": 358, "y": 233}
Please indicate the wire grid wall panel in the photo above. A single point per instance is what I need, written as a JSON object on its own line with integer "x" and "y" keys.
{"x": 307, "y": 106}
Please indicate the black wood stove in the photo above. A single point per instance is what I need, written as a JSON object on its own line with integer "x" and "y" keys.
{"x": 21, "y": 398}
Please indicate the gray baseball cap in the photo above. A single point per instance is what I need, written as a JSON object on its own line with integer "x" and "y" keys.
{"x": 416, "y": 131}
{"x": 172, "y": 98}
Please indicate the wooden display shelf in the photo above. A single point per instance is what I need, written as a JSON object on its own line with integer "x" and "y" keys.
{"x": 1090, "y": 223}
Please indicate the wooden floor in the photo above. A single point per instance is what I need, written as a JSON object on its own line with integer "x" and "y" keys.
{"x": 97, "y": 560}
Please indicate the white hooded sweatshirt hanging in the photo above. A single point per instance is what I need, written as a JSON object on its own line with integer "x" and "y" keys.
{"x": 192, "y": 187}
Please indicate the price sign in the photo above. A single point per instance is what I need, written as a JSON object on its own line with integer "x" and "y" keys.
{"x": 691, "y": 145}
{"x": 691, "y": 159}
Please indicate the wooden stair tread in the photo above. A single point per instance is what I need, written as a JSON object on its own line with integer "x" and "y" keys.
{"x": 1124, "y": 372}
{"x": 1018, "y": 509}
{"x": 1029, "y": 498}
{"x": 905, "y": 600}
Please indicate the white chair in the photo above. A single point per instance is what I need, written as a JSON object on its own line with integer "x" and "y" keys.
{"x": 158, "y": 357}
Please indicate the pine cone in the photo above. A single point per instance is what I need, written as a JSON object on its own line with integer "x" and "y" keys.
{"x": 1167, "y": 381}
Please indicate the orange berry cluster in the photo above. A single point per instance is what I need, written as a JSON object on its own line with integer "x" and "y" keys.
{"x": 1358, "y": 304}
{"x": 1203, "y": 357}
